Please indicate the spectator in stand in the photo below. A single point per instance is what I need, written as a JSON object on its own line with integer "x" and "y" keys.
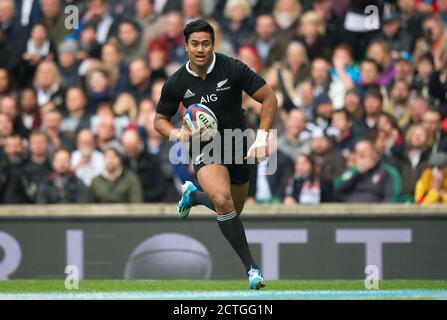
{"x": 105, "y": 132}
{"x": 48, "y": 84}
{"x": 306, "y": 186}
{"x": 15, "y": 35}
{"x": 379, "y": 52}
{"x": 140, "y": 79}
{"x": 192, "y": 10}
{"x": 410, "y": 19}
{"x": 69, "y": 63}
{"x": 157, "y": 60}
{"x": 38, "y": 48}
{"x": 159, "y": 147}
{"x": 237, "y": 24}
{"x": 51, "y": 125}
{"x": 145, "y": 165}
{"x": 89, "y": 46}
{"x": 116, "y": 184}
{"x": 434, "y": 40}
{"x": 151, "y": 22}
{"x": 125, "y": 106}
{"x": 99, "y": 86}
{"x": 438, "y": 84}
{"x": 432, "y": 122}
{"x": 6, "y": 128}
{"x": 174, "y": 40}
{"x": 414, "y": 159}
{"x": 329, "y": 161}
{"x": 365, "y": 126}
{"x": 403, "y": 67}
{"x": 353, "y": 104}
{"x": 28, "y": 12}
{"x": 8, "y": 106}
{"x": 342, "y": 138}
{"x": 130, "y": 39}
{"x": 392, "y": 34}
{"x": 344, "y": 74}
{"x": 417, "y": 107}
{"x": 112, "y": 59}
{"x": 266, "y": 40}
{"x": 76, "y": 116}
{"x": 431, "y": 188}
{"x": 369, "y": 76}
{"x": 37, "y": 166}
{"x": 54, "y": 20}
{"x": 323, "y": 109}
{"x": 442, "y": 10}
{"x": 105, "y": 111}
{"x": 62, "y": 186}
{"x": 287, "y": 14}
{"x": 14, "y": 150}
{"x": 295, "y": 139}
{"x": 98, "y": 15}
{"x": 221, "y": 44}
{"x": 86, "y": 161}
{"x": 6, "y": 83}
{"x": 320, "y": 75}
{"x": 12, "y": 158}
{"x": 289, "y": 76}
{"x": 368, "y": 181}
{"x": 421, "y": 79}
{"x": 312, "y": 33}
{"x": 29, "y": 110}
{"x": 397, "y": 105}
{"x": 394, "y": 139}
{"x": 305, "y": 100}
{"x": 265, "y": 187}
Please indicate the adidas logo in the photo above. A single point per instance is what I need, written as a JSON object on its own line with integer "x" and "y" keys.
{"x": 188, "y": 94}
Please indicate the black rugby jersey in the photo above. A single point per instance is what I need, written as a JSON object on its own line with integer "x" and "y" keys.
{"x": 221, "y": 91}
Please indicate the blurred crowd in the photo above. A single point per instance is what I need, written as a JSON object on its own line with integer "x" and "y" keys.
{"x": 362, "y": 97}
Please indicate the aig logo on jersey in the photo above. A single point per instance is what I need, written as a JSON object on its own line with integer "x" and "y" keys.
{"x": 208, "y": 98}
{"x": 220, "y": 85}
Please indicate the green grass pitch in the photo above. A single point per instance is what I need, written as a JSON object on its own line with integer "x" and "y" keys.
{"x": 104, "y": 286}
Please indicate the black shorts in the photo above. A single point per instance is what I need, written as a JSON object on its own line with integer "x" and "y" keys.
{"x": 238, "y": 168}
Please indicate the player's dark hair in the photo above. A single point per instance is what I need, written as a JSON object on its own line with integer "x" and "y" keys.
{"x": 199, "y": 25}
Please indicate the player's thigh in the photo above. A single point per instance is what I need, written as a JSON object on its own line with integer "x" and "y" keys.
{"x": 215, "y": 182}
{"x": 239, "y": 194}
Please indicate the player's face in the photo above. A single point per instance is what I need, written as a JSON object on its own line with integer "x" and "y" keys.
{"x": 200, "y": 49}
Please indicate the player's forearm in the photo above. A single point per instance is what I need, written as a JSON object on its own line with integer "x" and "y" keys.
{"x": 165, "y": 127}
{"x": 268, "y": 112}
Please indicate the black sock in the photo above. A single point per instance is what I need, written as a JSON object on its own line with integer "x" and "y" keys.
{"x": 232, "y": 228}
{"x": 199, "y": 197}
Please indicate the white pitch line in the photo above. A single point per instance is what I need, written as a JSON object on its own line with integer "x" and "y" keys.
{"x": 230, "y": 295}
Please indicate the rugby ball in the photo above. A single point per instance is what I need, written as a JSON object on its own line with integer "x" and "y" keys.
{"x": 198, "y": 116}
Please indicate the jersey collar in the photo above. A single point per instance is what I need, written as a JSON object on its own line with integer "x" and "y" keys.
{"x": 210, "y": 68}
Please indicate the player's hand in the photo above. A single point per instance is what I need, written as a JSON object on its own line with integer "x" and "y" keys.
{"x": 259, "y": 150}
{"x": 185, "y": 134}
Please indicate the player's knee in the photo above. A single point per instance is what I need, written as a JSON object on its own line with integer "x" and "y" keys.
{"x": 223, "y": 202}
